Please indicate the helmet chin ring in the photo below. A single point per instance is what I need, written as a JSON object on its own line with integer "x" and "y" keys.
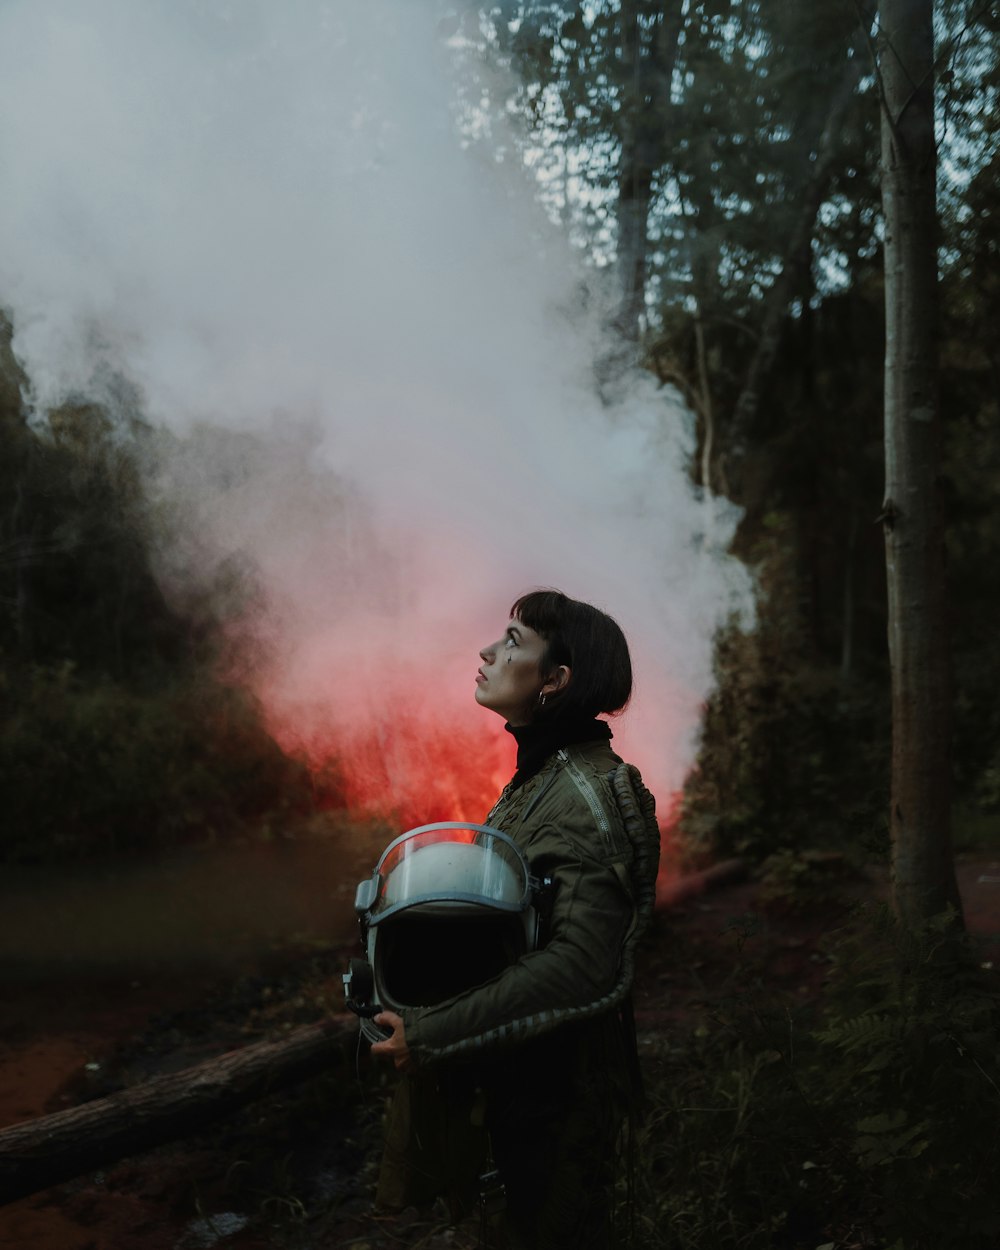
{"x": 448, "y": 907}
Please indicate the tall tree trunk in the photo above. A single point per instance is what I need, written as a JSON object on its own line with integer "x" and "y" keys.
{"x": 922, "y": 866}
{"x": 793, "y": 279}
{"x": 848, "y": 607}
{"x": 648, "y": 57}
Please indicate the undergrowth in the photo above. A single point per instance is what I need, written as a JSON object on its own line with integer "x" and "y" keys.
{"x": 870, "y": 1119}
{"x": 91, "y": 767}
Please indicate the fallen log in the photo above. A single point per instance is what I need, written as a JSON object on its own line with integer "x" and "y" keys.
{"x": 55, "y": 1148}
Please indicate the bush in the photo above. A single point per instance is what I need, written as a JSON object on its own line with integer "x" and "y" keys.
{"x": 870, "y": 1120}
{"x": 908, "y": 1063}
{"x": 89, "y": 766}
{"x": 790, "y": 756}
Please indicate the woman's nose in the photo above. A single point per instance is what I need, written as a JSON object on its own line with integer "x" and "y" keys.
{"x": 488, "y": 652}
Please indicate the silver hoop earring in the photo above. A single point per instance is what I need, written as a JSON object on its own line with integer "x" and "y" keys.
{"x": 541, "y": 700}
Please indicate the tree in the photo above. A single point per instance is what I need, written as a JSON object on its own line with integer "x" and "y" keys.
{"x": 919, "y": 655}
{"x": 721, "y": 159}
{"x": 649, "y": 37}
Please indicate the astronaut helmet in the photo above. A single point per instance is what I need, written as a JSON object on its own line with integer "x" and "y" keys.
{"x": 448, "y": 907}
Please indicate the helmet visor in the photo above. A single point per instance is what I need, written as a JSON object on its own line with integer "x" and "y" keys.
{"x": 450, "y": 867}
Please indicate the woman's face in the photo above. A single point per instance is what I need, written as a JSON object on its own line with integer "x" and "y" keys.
{"x": 510, "y": 679}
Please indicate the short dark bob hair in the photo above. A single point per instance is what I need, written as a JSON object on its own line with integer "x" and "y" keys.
{"x": 589, "y": 643}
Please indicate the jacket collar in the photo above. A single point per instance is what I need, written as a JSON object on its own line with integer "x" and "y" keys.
{"x": 536, "y": 743}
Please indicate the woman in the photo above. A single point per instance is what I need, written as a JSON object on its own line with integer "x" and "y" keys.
{"x": 533, "y": 1068}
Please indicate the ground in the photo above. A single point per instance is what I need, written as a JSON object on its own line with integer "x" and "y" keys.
{"x": 295, "y": 1170}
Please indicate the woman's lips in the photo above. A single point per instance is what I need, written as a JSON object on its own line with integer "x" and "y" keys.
{"x": 480, "y": 677}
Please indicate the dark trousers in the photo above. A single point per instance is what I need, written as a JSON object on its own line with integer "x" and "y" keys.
{"x": 553, "y": 1110}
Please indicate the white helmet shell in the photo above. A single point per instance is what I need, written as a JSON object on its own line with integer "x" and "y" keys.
{"x": 448, "y": 906}
{"x": 434, "y": 871}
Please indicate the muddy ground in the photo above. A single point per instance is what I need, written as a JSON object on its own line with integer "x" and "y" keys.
{"x": 295, "y": 1170}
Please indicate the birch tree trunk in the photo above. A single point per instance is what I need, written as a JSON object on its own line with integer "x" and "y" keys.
{"x": 923, "y": 872}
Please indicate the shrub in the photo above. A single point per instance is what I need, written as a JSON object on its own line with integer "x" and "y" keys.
{"x": 89, "y": 766}
{"x": 871, "y": 1119}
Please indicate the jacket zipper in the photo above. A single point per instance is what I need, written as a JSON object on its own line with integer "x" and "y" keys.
{"x": 587, "y": 790}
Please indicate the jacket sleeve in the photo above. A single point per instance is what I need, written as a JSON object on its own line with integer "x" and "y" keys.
{"x": 576, "y": 974}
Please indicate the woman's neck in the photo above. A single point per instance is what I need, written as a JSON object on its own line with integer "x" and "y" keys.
{"x": 537, "y": 741}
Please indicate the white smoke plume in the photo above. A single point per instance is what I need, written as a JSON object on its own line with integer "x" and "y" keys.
{"x": 365, "y": 342}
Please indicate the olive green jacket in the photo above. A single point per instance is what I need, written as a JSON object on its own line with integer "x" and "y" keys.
{"x": 567, "y": 824}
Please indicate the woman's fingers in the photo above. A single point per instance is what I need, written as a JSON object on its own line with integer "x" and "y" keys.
{"x": 394, "y": 1047}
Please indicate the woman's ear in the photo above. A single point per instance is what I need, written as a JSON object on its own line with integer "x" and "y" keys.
{"x": 557, "y": 680}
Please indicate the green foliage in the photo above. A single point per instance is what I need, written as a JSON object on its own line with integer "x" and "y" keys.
{"x": 116, "y": 733}
{"x": 724, "y": 103}
{"x": 729, "y": 1150}
{"x": 75, "y": 582}
{"x": 873, "y": 1121}
{"x": 799, "y": 881}
{"x": 911, "y": 1037}
{"x": 724, "y": 106}
{"x": 791, "y": 756}
{"x": 89, "y": 766}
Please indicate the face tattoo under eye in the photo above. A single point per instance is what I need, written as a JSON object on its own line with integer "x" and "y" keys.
{"x": 506, "y": 687}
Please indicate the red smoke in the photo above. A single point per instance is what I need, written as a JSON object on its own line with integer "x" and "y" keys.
{"x": 387, "y": 723}
{"x": 410, "y": 771}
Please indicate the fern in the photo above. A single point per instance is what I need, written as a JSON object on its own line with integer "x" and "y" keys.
{"x": 868, "y": 1031}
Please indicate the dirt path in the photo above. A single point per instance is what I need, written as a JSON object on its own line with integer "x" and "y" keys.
{"x": 979, "y": 884}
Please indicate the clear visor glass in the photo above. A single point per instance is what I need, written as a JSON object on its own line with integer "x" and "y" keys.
{"x": 454, "y": 865}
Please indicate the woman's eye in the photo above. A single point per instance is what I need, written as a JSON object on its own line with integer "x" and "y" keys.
{"x": 510, "y": 642}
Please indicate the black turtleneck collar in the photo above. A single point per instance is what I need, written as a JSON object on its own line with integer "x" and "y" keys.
{"x": 535, "y": 743}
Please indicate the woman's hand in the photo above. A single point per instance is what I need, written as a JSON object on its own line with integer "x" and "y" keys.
{"x": 395, "y": 1047}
